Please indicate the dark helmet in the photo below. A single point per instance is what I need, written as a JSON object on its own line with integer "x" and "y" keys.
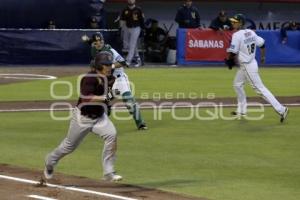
{"x": 97, "y": 36}
{"x": 103, "y": 58}
{"x": 238, "y": 18}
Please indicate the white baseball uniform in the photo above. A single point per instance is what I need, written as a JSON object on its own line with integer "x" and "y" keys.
{"x": 121, "y": 84}
{"x": 243, "y": 44}
{"x": 122, "y": 90}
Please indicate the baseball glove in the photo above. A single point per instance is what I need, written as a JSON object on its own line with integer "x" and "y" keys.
{"x": 230, "y": 63}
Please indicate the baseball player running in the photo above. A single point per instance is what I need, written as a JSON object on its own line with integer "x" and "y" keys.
{"x": 121, "y": 86}
{"x": 243, "y": 48}
{"x": 89, "y": 116}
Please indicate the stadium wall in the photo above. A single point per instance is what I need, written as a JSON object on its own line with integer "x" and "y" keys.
{"x": 72, "y": 14}
{"x": 196, "y": 47}
{"x": 33, "y": 46}
{"x": 43, "y": 46}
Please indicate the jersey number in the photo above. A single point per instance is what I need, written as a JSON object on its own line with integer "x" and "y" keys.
{"x": 251, "y": 48}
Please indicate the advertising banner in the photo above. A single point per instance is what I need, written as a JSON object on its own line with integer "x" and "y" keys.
{"x": 208, "y": 45}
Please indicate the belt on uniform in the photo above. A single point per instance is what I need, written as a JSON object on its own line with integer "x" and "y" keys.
{"x": 132, "y": 26}
{"x": 91, "y": 116}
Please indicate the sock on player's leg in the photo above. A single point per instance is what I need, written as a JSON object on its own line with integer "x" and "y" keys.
{"x": 133, "y": 108}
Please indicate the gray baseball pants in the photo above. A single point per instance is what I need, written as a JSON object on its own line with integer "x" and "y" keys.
{"x": 131, "y": 36}
{"x": 80, "y": 126}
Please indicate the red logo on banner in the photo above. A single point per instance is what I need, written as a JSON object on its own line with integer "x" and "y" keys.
{"x": 206, "y": 45}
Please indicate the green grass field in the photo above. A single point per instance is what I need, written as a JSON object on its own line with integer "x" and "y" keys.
{"x": 216, "y": 159}
{"x": 165, "y": 83}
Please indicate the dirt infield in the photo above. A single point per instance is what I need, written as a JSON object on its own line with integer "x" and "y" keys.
{"x": 58, "y": 71}
{"x": 15, "y": 190}
{"x": 170, "y": 103}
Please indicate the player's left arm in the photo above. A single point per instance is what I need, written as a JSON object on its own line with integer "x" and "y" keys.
{"x": 197, "y": 18}
{"x": 142, "y": 19}
{"x": 118, "y": 60}
{"x": 232, "y": 51}
{"x": 263, "y": 54}
{"x": 123, "y": 18}
{"x": 260, "y": 42}
{"x": 120, "y": 64}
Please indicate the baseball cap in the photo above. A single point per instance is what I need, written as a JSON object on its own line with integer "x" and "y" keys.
{"x": 222, "y": 13}
{"x": 97, "y": 36}
{"x": 238, "y": 18}
{"x": 103, "y": 58}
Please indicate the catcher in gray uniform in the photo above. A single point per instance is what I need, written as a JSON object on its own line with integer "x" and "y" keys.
{"x": 89, "y": 116}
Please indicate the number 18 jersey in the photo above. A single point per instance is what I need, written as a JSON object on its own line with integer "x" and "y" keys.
{"x": 244, "y": 44}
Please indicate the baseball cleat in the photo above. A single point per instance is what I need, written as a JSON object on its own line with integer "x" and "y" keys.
{"x": 137, "y": 65}
{"x": 143, "y": 127}
{"x": 113, "y": 177}
{"x": 284, "y": 115}
{"x": 48, "y": 172}
{"x": 237, "y": 114}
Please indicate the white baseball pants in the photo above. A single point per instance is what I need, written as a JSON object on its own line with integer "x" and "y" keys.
{"x": 249, "y": 72}
{"x": 121, "y": 84}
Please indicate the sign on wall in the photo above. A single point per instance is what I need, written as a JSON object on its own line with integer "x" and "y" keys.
{"x": 206, "y": 45}
{"x": 196, "y": 47}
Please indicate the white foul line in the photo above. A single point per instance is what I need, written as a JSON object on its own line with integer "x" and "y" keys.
{"x": 208, "y": 105}
{"x": 34, "y": 109}
{"x": 40, "y": 197}
{"x": 28, "y": 76}
{"x": 67, "y": 188}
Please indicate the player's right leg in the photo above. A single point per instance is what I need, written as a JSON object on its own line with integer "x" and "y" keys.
{"x": 134, "y": 35}
{"x": 123, "y": 87}
{"x": 79, "y": 127}
{"x": 125, "y": 37}
{"x": 259, "y": 87}
{"x": 106, "y": 130}
{"x": 134, "y": 110}
{"x": 238, "y": 85}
